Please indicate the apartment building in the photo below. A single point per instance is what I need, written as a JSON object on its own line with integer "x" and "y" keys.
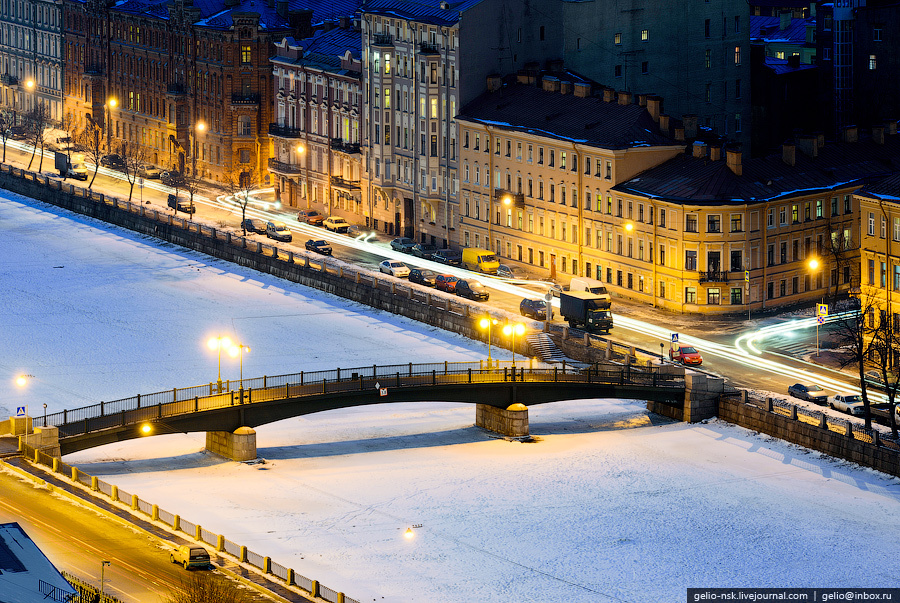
{"x": 696, "y": 55}
{"x": 422, "y": 61}
{"x": 538, "y": 167}
{"x": 191, "y": 83}
{"x": 316, "y": 157}
{"x": 31, "y": 56}
{"x": 879, "y": 246}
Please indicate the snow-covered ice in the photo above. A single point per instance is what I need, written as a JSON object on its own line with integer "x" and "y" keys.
{"x": 610, "y": 503}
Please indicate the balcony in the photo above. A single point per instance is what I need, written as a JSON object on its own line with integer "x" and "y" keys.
{"x": 93, "y": 70}
{"x": 382, "y": 39}
{"x": 8, "y": 80}
{"x": 244, "y": 99}
{"x": 284, "y": 131}
{"x": 714, "y": 276}
{"x": 425, "y": 48}
{"x": 518, "y": 199}
{"x": 287, "y": 169}
{"x": 175, "y": 89}
{"x": 347, "y": 185}
{"x": 338, "y": 144}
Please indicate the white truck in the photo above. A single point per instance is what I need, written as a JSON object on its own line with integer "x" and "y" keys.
{"x": 71, "y": 166}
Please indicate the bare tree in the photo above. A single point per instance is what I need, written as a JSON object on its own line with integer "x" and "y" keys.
{"x": 92, "y": 141}
{"x": 37, "y": 121}
{"x": 191, "y": 186}
{"x": 7, "y": 119}
{"x": 199, "y": 587}
{"x": 855, "y": 331}
{"x": 134, "y": 155}
{"x": 240, "y": 184}
{"x": 838, "y": 248}
{"x": 884, "y": 358}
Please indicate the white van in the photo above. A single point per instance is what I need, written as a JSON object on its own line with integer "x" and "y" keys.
{"x": 582, "y": 283}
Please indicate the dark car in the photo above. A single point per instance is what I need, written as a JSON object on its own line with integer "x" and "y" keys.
{"x": 422, "y": 277}
{"x": 172, "y": 178}
{"x": 180, "y": 205}
{"x": 17, "y": 132}
{"x": 423, "y": 250}
{"x": 533, "y": 308}
{"x": 810, "y": 392}
{"x": 319, "y": 246}
{"x": 310, "y": 216}
{"x": 511, "y": 272}
{"x": 403, "y": 244}
{"x": 254, "y": 225}
{"x": 451, "y": 257}
{"x": 473, "y": 290}
{"x": 278, "y": 231}
{"x": 113, "y": 162}
{"x": 446, "y": 282}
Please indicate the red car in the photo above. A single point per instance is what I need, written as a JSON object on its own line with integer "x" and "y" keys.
{"x": 445, "y": 282}
{"x": 685, "y": 355}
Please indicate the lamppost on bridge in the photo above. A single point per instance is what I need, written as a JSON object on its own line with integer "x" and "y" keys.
{"x": 217, "y": 343}
{"x": 487, "y": 323}
{"x": 238, "y": 350}
{"x": 511, "y": 330}
{"x": 103, "y": 565}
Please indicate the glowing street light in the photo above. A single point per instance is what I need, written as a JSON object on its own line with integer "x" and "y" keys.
{"x": 814, "y": 267}
{"x": 111, "y": 104}
{"x": 238, "y": 350}
{"x": 198, "y": 129}
{"x": 216, "y": 344}
{"x": 511, "y": 331}
{"x": 486, "y": 324}
{"x": 301, "y": 149}
{"x": 409, "y": 534}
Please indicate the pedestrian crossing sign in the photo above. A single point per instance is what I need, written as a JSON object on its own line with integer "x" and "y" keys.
{"x": 20, "y": 411}
{"x": 821, "y": 309}
{"x": 674, "y": 337}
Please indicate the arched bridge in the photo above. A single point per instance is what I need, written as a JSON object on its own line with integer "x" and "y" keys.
{"x": 253, "y": 402}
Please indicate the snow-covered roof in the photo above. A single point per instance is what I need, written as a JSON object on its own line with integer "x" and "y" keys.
{"x": 26, "y": 575}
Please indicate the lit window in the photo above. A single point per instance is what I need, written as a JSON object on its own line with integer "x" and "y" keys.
{"x": 618, "y": 38}
{"x": 645, "y": 35}
{"x": 872, "y": 62}
{"x": 245, "y": 55}
{"x": 737, "y": 55}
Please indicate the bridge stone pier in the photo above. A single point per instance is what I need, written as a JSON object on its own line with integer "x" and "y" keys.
{"x": 237, "y": 446}
{"x": 510, "y": 422}
{"x": 701, "y": 396}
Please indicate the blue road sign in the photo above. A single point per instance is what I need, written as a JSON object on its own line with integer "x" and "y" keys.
{"x": 674, "y": 337}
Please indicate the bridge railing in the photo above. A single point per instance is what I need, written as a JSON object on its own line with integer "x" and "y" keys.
{"x": 138, "y": 409}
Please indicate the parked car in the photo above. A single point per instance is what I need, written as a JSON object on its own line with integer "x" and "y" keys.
{"x": 422, "y": 276}
{"x": 875, "y": 379}
{"x": 113, "y": 162}
{"x": 848, "y": 403}
{"x": 423, "y": 250}
{"x": 336, "y": 224}
{"x": 180, "y": 205}
{"x": 310, "y": 216}
{"x": 190, "y": 556}
{"x": 254, "y": 225}
{"x": 533, "y": 308}
{"x": 812, "y": 393}
{"x": 279, "y": 231}
{"x": 446, "y": 282}
{"x": 451, "y": 257}
{"x": 685, "y": 354}
{"x": 149, "y": 172}
{"x": 319, "y": 246}
{"x": 514, "y": 272}
{"x": 17, "y": 132}
{"x": 473, "y": 290}
{"x": 403, "y": 244}
{"x": 394, "y": 268}
{"x": 172, "y": 178}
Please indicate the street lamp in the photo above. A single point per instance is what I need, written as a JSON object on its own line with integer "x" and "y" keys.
{"x": 103, "y": 565}
{"x": 486, "y": 324}
{"x": 303, "y": 185}
{"x": 511, "y": 331}
{"x": 198, "y": 128}
{"x": 217, "y": 343}
{"x": 238, "y": 350}
{"x": 814, "y": 267}
{"x": 29, "y": 87}
{"x": 111, "y": 103}
{"x": 506, "y": 200}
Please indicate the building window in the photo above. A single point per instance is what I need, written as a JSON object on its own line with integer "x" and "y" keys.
{"x": 690, "y": 260}
{"x": 737, "y": 222}
{"x": 737, "y": 262}
{"x": 737, "y": 296}
{"x": 245, "y": 55}
{"x": 618, "y": 38}
{"x": 645, "y": 35}
{"x": 872, "y": 62}
{"x": 618, "y": 71}
{"x": 847, "y": 204}
{"x": 871, "y": 224}
{"x": 713, "y": 223}
{"x": 645, "y": 67}
{"x": 708, "y": 58}
{"x": 737, "y": 56}
{"x": 713, "y": 297}
{"x": 662, "y": 218}
{"x": 737, "y": 24}
{"x": 690, "y": 295}
{"x": 690, "y": 223}
{"x": 876, "y": 34}
{"x": 706, "y": 31}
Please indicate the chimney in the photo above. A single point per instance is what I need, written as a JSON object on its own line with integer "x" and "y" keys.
{"x": 346, "y": 22}
{"x": 229, "y": 3}
{"x": 878, "y": 134}
{"x": 785, "y": 20}
{"x": 565, "y": 87}
{"x": 608, "y": 95}
{"x": 654, "y": 104}
{"x": 820, "y": 140}
{"x": 525, "y": 77}
{"x": 809, "y": 144}
{"x": 699, "y": 149}
{"x": 850, "y": 134}
{"x": 679, "y": 133}
{"x": 624, "y": 98}
{"x": 733, "y": 160}
{"x": 664, "y": 123}
{"x": 494, "y": 83}
{"x": 715, "y": 153}
{"x": 794, "y": 61}
{"x": 642, "y": 100}
{"x": 690, "y": 125}
{"x": 551, "y": 84}
{"x": 890, "y": 126}
{"x": 582, "y": 89}
{"x": 789, "y": 153}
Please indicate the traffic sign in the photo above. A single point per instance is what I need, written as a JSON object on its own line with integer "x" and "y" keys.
{"x": 382, "y": 392}
{"x": 20, "y": 411}
{"x": 746, "y": 276}
{"x": 820, "y": 320}
{"x": 821, "y": 309}
{"x": 674, "y": 337}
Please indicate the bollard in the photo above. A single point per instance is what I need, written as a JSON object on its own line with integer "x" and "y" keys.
{"x": 74, "y": 474}
{"x": 56, "y": 465}
{"x": 134, "y": 502}
{"x": 243, "y": 554}
{"x": 198, "y": 536}
{"x": 176, "y": 522}
{"x": 95, "y": 483}
{"x": 114, "y": 493}
{"x": 220, "y": 544}
{"x": 290, "y": 578}
{"x": 155, "y": 512}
